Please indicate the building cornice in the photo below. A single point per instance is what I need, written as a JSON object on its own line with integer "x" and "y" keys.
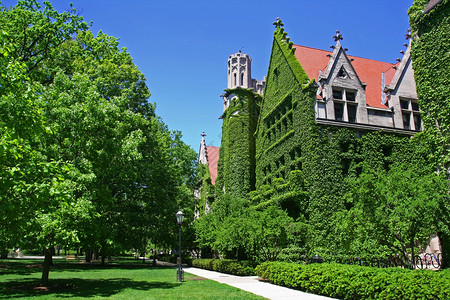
{"x": 365, "y": 126}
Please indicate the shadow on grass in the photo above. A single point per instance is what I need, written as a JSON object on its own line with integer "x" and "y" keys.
{"x": 77, "y": 287}
{"x": 28, "y": 267}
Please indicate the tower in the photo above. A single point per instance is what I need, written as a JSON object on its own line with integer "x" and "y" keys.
{"x": 240, "y": 77}
{"x": 239, "y": 71}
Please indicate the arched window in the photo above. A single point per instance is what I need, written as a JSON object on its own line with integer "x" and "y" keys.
{"x": 235, "y": 83}
{"x": 242, "y": 78}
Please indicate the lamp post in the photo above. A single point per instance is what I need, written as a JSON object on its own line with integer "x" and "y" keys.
{"x": 180, "y": 218}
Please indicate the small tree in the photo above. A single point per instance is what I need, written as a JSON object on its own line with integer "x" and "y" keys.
{"x": 399, "y": 207}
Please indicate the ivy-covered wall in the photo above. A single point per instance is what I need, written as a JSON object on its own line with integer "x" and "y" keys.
{"x": 431, "y": 63}
{"x": 236, "y": 166}
{"x": 304, "y": 166}
{"x": 273, "y": 152}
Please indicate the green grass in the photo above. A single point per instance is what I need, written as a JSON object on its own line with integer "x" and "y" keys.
{"x": 19, "y": 279}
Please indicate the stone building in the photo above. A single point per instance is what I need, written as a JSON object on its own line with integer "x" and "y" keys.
{"x": 347, "y": 91}
{"x": 295, "y": 136}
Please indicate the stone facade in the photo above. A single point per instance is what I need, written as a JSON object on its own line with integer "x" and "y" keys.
{"x": 362, "y": 93}
{"x": 353, "y": 92}
{"x": 240, "y": 76}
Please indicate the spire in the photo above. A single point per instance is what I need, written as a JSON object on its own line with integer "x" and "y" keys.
{"x": 203, "y": 154}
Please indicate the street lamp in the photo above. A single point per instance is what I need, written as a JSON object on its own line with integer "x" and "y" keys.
{"x": 180, "y": 218}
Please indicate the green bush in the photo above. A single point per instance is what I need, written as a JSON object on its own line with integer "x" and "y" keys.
{"x": 173, "y": 258}
{"x": 358, "y": 282}
{"x": 229, "y": 266}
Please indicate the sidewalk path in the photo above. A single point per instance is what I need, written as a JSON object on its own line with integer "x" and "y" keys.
{"x": 253, "y": 285}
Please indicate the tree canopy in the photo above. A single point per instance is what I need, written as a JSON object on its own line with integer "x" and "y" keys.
{"x": 85, "y": 161}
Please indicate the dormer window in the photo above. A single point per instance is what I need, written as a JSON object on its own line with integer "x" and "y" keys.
{"x": 410, "y": 114}
{"x": 345, "y": 106}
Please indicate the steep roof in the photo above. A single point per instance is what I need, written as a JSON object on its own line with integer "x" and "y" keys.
{"x": 213, "y": 157}
{"x": 368, "y": 70}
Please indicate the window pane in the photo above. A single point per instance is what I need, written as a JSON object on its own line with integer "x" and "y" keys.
{"x": 350, "y": 96}
{"x": 415, "y": 105}
{"x": 404, "y": 104}
{"x": 351, "y": 110}
{"x": 417, "y": 122}
{"x": 407, "y": 120}
{"x": 338, "y": 111}
{"x": 337, "y": 94}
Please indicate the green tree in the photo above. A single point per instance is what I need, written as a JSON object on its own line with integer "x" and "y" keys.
{"x": 86, "y": 160}
{"x": 396, "y": 209}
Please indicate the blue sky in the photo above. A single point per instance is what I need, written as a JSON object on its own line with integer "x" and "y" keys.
{"x": 182, "y": 46}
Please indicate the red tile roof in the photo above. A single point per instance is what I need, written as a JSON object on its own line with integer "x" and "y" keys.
{"x": 213, "y": 158}
{"x": 368, "y": 70}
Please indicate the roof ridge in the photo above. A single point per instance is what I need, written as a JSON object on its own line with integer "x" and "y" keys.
{"x": 352, "y": 56}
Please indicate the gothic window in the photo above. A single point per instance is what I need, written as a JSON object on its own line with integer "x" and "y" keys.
{"x": 351, "y": 112}
{"x": 404, "y": 104}
{"x": 417, "y": 121}
{"x": 350, "y": 96}
{"x": 242, "y": 78}
{"x": 275, "y": 77}
{"x": 345, "y": 105}
{"x": 410, "y": 114}
{"x": 337, "y": 94}
{"x": 406, "y": 119}
{"x": 338, "y": 111}
{"x": 290, "y": 117}
{"x": 292, "y": 155}
{"x": 235, "y": 83}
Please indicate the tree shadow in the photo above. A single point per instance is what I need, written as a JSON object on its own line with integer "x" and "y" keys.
{"x": 29, "y": 267}
{"x": 77, "y": 287}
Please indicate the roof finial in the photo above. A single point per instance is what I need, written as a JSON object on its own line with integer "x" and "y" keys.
{"x": 338, "y": 36}
{"x": 203, "y": 134}
{"x": 278, "y": 23}
{"x": 408, "y": 34}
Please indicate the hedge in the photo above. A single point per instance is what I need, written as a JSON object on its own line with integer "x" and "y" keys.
{"x": 229, "y": 266}
{"x": 358, "y": 282}
{"x": 173, "y": 258}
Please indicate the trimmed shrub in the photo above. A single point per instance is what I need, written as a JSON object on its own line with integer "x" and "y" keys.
{"x": 229, "y": 266}
{"x": 358, "y": 282}
{"x": 173, "y": 258}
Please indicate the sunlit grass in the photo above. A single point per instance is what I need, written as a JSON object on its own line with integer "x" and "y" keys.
{"x": 19, "y": 279}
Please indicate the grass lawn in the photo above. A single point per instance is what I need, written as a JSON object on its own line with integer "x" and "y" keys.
{"x": 19, "y": 279}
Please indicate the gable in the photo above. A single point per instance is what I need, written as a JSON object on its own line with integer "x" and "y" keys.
{"x": 315, "y": 61}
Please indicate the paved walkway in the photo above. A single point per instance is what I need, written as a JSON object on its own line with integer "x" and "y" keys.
{"x": 253, "y": 285}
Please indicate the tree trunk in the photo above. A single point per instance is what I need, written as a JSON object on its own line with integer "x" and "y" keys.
{"x": 412, "y": 263}
{"x": 46, "y": 266}
{"x": 103, "y": 260}
{"x": 88, "y": 256}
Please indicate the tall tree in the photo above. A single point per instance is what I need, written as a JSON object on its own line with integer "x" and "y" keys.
{"x": 95, "y": 166}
